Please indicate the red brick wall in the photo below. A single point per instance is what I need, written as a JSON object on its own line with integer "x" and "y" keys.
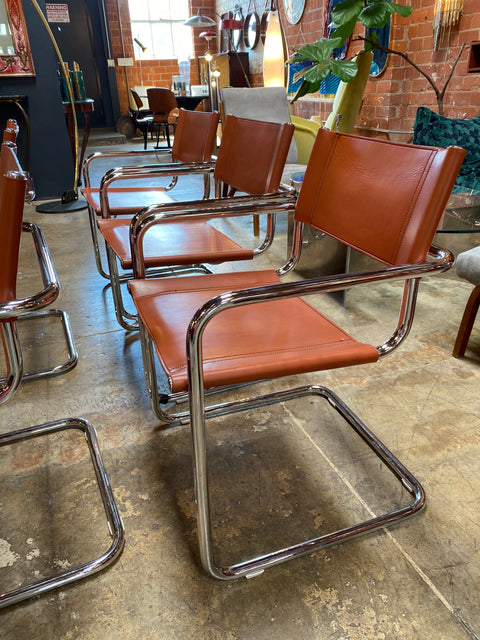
{"x": 154, "y": 73}
{"x": 390, "y": 101}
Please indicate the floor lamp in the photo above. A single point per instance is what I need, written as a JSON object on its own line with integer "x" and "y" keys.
{"x": 69, "y": 201}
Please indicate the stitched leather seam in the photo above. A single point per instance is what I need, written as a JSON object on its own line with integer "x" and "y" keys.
{"x": 183, "y": 367}
{"x": 406, "y": 219}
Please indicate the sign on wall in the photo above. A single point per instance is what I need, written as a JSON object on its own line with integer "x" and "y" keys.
{"x": 57, "y": 12}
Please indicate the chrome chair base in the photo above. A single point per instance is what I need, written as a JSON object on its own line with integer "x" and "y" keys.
{"x": 72, "y": 357}
{"x": 115, "y": 524}
{"x": 255, "y": 566}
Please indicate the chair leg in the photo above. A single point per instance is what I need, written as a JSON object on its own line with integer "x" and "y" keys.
{"x": 72, "y": 357}
{"x": 257, "y": 565}
{"x": 167, "y": 130}
{"x": 14, "y": 360}
{"x": 125, "y": 319}
{"x": 115, "y": 524}
{"x": 256, "y": 225}
{"x": 92, "y": 217}
{"x": 466, "y": 325}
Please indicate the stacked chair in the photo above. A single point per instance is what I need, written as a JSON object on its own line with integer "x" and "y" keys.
{"x": 35, "y": 308}
{"x": 215, "y": 331}
{"x": 187, "y": 246}
{"x": 192, "y": 152}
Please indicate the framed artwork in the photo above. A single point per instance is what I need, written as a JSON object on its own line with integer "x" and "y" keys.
{"x": 15, "y": 53}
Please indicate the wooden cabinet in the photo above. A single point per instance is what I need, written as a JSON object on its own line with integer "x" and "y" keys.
{"x": 233, "y": 68}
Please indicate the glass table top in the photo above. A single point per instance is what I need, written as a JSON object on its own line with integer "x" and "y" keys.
{"x": 462, "y": 214}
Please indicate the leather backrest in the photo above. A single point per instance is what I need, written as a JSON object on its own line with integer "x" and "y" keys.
{"x": 136, "y": 98}
{"x": 252, "y": 154}
{"x": 161, "y": 100}
{"x": 382, "y": 198}
{"x": 195, "y": 136}
{"x": 8, "y": 159}
{"x": 9, "y": 135}
{"x": 268, "y": 104}
{"x": 13, "y": 184}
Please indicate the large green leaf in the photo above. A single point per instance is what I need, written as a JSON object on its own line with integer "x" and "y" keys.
{"x": 346, "y": 11}
{"x": 401, "y": 9}
{"x": 375, "y": 15}
{"x": 346, "y": 70}
{"x": 344, "y": 31}
{"x": 321, "y": 50}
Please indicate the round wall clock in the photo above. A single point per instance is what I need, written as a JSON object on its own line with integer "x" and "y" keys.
{"x": 294, "y": 10}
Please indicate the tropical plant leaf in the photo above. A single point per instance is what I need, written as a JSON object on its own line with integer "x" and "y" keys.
{"x": 346, "y": 70}
{"x": 346, "y": 11}
{"x": 344, "y": 31}
{"x": 375, "y": 16}
{"x": 306, "y": 87}
{"x": 401, "y": 9}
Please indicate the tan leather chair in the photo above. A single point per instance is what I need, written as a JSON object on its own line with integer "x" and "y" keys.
{"x": 215, "y": 331}
{"x": 188, "y": 244}
{"x": 163, "y": 104}
{"x": 35, "y": 307}
{"x": 192, "y": 150}
{"x": 13, "y": 184}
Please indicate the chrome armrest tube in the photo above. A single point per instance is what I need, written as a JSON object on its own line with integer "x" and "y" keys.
{"x": 23, "y": 306}
{"x": 117, "y": 154}
{"x": 147, "y": 172}
{"x": 443, "y": 261}
{"x": 200, "y": 210}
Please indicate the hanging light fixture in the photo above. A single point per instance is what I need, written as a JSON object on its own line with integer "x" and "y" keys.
{"x": 200, "y": 21}
{"x": 274, "y": 53}
{"x": 446, "y": 14}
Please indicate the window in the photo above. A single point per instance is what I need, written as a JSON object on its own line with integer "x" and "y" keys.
{"x": 158, "y": 25}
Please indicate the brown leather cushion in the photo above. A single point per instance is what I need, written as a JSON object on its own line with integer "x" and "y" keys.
{"x": 246, "y": 343}
{"x": 173, "y": 243}
{"x": 125, "y": 200}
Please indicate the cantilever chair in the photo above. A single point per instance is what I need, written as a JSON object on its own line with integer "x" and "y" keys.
{"x": 163, "y": 105}
{"x": 35, "y": 307}
{"x": 13, "y": 184}
{"x": 190, "y": 244}
{"x": 219, "y": 330}
{"x": 192, "y": 151}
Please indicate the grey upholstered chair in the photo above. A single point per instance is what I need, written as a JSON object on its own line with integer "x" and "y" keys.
{"x": 468, "y": 268}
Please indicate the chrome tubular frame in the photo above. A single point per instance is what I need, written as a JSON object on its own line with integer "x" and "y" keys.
{"x": 114, "y": 521}
{"x": 33, "y": 308}
{"x": 206, "y": 210}
{"x": 120, "y": 154}
{"x": 130, "y": 172}
{"x": 14, "y": 358}
{"x": 198, "y": 412}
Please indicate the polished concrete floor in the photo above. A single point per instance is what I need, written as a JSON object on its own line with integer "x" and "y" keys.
{"x": 278, "y": 476}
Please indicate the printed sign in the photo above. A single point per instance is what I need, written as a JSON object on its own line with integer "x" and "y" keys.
{"x": 57, "y": 12}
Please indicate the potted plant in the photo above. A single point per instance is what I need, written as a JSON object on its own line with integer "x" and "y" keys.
{"x": 345, "y": 16}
